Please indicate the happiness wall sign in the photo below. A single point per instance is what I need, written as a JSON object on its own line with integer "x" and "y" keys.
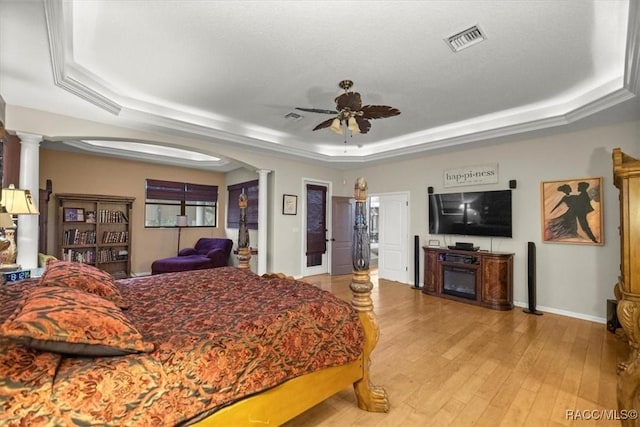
{"x": 471, "y": 175}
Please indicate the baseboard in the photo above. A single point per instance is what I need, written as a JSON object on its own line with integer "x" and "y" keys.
{"x": 564, "y": 313}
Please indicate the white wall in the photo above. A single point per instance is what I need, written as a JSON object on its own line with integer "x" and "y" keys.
{"x": 571, "y": 279}
{"x": 3, "y": 107}
{"x": 285, "y": 248}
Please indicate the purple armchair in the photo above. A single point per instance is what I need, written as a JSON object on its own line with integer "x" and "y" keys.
{"x": 207, "y": 253}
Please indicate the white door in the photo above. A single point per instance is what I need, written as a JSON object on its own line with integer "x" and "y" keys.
{"x": 393, "y": 218}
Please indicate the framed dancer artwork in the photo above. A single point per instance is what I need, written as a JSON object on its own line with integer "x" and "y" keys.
{"x": 572, "y": 211}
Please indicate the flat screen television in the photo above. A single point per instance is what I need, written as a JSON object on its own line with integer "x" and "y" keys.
{"x": 476, "y": 213}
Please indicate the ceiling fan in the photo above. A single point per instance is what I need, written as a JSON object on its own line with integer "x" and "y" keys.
{"x": 350, "y": 112}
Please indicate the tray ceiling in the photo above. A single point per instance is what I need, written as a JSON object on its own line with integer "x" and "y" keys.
{"x": 233, "y": 72}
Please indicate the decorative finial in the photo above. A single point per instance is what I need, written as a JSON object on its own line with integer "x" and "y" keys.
{"x": 360, "y": 190}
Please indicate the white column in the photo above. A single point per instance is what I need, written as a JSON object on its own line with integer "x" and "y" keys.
{"x": 262, "y": 220}
{"x": 27, "y": 241}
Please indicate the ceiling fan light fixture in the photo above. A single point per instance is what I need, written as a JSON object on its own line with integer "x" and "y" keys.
{"x": 336, "y": 126}
{"x": 353, "y": 125}
{"x": 353, "y": 117}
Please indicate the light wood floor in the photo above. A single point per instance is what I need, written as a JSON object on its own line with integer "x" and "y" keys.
{"x": 445, "y": 363}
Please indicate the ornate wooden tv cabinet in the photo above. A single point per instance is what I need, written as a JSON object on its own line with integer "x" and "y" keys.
{"x": 476, "y": 277}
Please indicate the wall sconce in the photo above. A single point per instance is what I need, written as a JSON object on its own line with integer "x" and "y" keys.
{"x": 14, "y": 201}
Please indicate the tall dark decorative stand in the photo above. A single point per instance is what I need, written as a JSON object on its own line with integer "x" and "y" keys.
{"x": 244, "y": 252}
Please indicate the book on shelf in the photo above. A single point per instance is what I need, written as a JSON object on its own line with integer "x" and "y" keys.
{"x": 110, "y": 216}
{"x": 115, "y": 237}
{"x": 112, "y": 255}
{"x": 84, "y": 257}
{"x": 76, "y": 237}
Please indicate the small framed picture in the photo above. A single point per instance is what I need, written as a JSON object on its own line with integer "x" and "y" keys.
{"x": 73, "y": 214}
{"x": 572, "y": 211}
{"x": 289, "y": 204}
{"x": 90, "y": 217}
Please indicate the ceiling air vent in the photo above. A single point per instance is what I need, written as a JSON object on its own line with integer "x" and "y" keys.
{"x": 464, "y": 39}
{"x": 293, "y": 116}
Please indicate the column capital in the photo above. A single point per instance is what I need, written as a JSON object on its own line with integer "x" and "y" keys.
{"x": 29, "y": 138}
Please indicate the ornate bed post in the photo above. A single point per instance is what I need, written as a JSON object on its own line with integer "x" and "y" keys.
{"x": 370, "y": 397}
{"x": 244, "y": 253}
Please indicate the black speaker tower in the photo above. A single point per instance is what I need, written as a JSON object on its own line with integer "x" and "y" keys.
{"x": 416, "y": 262}
{"x": 531, "y": 279}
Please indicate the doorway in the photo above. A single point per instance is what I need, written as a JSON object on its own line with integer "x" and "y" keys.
{"x": 391, "y": 229}
{"x": 342, "y": 219}
{"x": 316, "y": 215}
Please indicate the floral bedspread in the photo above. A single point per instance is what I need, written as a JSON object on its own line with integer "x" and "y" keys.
{"x": 220, "y": 335}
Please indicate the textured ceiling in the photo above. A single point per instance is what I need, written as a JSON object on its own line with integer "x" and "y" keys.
{"x": 231, "y": 71}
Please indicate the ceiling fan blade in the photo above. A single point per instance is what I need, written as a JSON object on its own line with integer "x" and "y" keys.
{"x": 363, "y": 124}
{"x": 378, "y": 111}
{"x": 324, "y": 124}
{"x": 316, "y": 110}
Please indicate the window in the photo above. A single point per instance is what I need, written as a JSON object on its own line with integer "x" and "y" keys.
{"x": 233, "y": 215}
{"x": 167, "y": 199}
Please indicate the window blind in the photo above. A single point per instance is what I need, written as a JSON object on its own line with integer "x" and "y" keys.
{"x": 180, "y": 191}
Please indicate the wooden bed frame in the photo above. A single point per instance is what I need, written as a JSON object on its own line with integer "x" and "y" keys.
{"x": 285, "y": 401}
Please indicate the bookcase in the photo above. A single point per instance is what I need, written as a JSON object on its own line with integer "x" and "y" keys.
{"x": 95, "y": 230}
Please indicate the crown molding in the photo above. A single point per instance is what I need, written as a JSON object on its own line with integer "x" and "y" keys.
{"x": 58, "y": 19}
{"x": 632, "y": 69}
{"x": 222, "y": 165}
{"x": 73, "y": 78}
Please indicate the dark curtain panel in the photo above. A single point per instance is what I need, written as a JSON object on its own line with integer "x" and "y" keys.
{"x": 316, "y": 224}
{"x": 233, "y": 210}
